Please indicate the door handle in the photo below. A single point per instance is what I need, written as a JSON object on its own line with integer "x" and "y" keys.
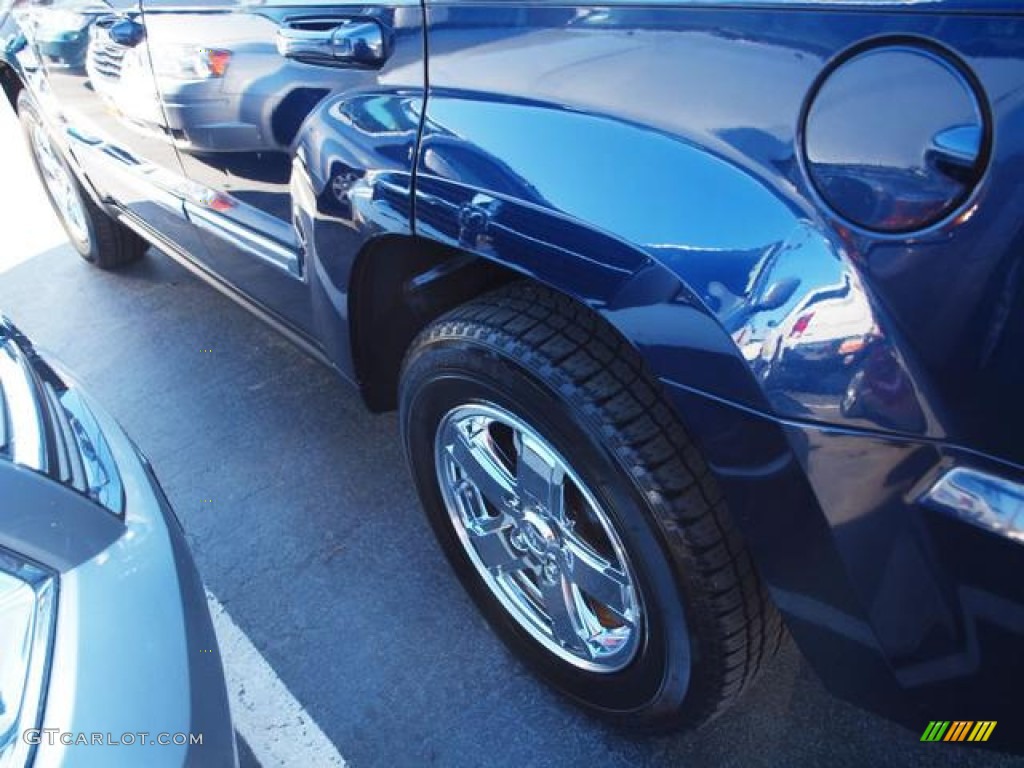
{"x": 352, "y": 43}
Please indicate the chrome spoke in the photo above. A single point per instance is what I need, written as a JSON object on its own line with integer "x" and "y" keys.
{"x": 560, "y": 607}
{"x": 482, "y": 468}
{"x": 599, "y": 579}
{"x": 539, "y": 476}
{"x": 495, "y": 552}
{"x": 489, "y": 534}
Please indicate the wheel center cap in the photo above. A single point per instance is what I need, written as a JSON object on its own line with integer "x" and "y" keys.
{"x": 539, "y": 536}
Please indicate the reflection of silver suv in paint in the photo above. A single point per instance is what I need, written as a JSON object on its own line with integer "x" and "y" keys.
{"x": 104, "y": 626}
{"x": 236, "y": 97}
{"x": 61, "y": 32}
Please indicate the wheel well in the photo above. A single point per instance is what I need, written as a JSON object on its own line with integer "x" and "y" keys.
{"x": 399, "y": 285}
{"x": 11, "y": 84}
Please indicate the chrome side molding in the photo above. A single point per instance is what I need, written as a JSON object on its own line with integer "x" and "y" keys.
{"x": 987, "y": 501}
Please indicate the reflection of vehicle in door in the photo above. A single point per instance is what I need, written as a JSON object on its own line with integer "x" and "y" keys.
{"x": 61, "y": 31}
{"x": 118, "y": 70}
{"x": 237, "y": 96}
{"x": 617, "y": 268}
{"x": 828, "y": 325}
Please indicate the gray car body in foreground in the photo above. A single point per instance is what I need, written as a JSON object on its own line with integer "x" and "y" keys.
{"x": 133, "y": 649}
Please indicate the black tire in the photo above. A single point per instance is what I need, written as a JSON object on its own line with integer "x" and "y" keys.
{"x": 105, "y": 242}
{"x": 711, "y": 626}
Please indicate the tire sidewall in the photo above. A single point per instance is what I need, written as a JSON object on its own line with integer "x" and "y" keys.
{"x": 448, "y": 373}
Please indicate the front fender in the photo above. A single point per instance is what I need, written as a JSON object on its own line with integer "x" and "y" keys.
{"x": 728, "y": 286}
{"x": 351, "y": 185}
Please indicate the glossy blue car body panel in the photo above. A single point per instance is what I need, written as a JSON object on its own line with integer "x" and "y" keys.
{"x": 807, "y": 216}
{"x": 649, "y": 159}
{"x": 657, "y": 127}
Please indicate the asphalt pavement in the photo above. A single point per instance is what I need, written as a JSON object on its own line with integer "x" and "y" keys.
{"x": 304, "y": 523}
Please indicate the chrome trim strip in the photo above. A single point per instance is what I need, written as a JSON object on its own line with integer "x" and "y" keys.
{"x": 27, "y": 426}
{"x": 993, "y": 503}
{"x": 243, "y": 238}
{"x": 144, "y": 179}
{"x": 171, "y": 249}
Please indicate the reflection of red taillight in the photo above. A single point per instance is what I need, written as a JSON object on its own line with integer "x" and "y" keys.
{"x": 801, "y": 324}
{"x": 217, "y": 62}
{"x": 221, "y": 203}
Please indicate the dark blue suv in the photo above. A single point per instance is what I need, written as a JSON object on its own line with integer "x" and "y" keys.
{"x": 702, "y": 318}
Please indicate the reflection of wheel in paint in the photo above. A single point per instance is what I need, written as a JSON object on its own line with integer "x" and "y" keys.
{"x": 342, "y": 183}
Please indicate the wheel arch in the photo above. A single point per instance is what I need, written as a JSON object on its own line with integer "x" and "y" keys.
{"x": 399, "y": 284}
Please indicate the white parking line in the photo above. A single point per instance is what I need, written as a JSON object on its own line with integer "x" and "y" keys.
{"x": 276, "y": 727}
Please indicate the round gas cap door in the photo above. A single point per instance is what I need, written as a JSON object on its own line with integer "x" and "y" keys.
{"x": 895, "y": 138}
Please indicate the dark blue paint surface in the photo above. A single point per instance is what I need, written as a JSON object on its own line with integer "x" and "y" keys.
{"x": 806, "y": 216}
{"x": 678, "y": 133}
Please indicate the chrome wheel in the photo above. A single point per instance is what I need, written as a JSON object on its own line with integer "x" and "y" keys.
{"x": 60, "y": 184}
{"x": 538, "y": 537}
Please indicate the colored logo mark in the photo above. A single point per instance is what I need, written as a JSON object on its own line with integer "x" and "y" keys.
{"x": 958, "y": 730}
